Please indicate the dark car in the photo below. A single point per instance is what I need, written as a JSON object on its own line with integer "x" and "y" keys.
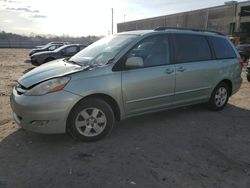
{"x": 52, "y": 43}
{"x": 244, "y": 51}
{"x": 64, "y": 51}
{"x": 47, "y": 47}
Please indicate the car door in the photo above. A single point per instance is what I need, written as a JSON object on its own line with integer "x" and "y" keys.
{"x": 149, "y": 86}
{"x": 195, "y": 68}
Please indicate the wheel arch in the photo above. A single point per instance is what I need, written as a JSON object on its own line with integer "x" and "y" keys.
{"x": 108, "y": 99}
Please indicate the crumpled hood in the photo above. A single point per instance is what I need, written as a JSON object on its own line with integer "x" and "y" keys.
{"x": 47, "y": 71}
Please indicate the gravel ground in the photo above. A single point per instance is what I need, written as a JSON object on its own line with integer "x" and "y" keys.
{"x": 189, "y": 147}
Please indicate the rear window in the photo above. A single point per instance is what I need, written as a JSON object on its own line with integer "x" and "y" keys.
{"x": 222, "y": 48}
{"x": 190, "y": 48}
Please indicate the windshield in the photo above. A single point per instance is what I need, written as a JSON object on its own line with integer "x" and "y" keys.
{"x": 46, "y": 46}
{"x": 102, "y": 51}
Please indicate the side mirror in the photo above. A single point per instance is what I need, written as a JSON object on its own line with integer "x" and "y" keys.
{"x": 134, "y": 62}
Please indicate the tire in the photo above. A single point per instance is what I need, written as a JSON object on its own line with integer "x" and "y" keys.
{"x": 90, "y": 120}
{"x": 219, "y": 97}
{"x": 48, "y": 59}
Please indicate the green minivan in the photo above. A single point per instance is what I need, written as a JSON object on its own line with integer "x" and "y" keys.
{"x": 125, "y": 75}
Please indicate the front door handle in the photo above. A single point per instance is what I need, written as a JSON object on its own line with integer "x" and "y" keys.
{"x": 169, "y": 71}
{"x": 181, "y": 69}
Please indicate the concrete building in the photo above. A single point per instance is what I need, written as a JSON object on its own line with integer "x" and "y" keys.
{"x": 232, "y": 18}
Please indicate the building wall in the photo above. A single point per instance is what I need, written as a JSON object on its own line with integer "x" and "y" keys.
{"x": 5, "y": 43}
{"x": 216, "y": 18}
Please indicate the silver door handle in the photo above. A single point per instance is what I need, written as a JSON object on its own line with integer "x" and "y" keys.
{"x": 169, "y": 71}
{"x": 181, "y": 69}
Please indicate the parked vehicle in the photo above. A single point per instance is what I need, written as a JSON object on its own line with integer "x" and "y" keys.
{"x": 64, "y": 51}
{"x": 248, "y": 72}
{"x": 52, "y": 43}
{"x": 125, "y": 75}
{"x": 244, "y": 51}
{"x": 48, "y": 47}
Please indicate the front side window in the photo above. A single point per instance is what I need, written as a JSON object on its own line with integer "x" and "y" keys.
{"x": 222, "y": 48}
{"x": 52, "y": 48}
{"x": 153, "y": 51}
{"x": 190, "y": 48}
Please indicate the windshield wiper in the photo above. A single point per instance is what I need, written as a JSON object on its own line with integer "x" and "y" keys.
{"x": 110, "y": 61}
{"x": 95, "y": 64}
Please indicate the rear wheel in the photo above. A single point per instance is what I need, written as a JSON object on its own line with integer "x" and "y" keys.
{"x": 219, "y": 97}
{"x": 90, "y": 120}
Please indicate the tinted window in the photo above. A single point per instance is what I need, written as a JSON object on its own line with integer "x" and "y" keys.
{"x": 190, "y": 48}
{"x": 222, "y": 48}
{"x": 71, "y": 50}
{"x": 153, "y": 51}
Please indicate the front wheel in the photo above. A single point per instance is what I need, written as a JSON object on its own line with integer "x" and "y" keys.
{"x": 219, "y": 97}
{"x": 90, "y": 120}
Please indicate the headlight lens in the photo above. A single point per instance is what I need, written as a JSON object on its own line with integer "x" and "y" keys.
{"x": 49, "y": 86}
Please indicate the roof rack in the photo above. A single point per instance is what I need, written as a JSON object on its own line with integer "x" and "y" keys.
{"x": 187, "y": 29}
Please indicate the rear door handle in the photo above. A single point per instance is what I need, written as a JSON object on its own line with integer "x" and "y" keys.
{"x": 169, "y": 71}
{"x": 181, "y": 69}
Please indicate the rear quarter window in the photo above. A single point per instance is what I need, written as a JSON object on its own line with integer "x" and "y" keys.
{"x": 222, "y": 48}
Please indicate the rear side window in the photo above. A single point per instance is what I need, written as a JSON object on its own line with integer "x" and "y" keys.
{"x": 222, "y": 48}
{"x": 71, "y": 49}
{"x": 190, "y": 48}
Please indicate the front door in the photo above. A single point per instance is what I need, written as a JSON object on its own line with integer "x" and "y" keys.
{"x": 150, "y": 86}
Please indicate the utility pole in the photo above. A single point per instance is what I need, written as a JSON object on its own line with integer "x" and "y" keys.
{"x": 206, "y": 23}
{"x": 112, "y": 20}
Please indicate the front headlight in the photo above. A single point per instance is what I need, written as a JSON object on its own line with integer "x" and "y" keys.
{"x": 49, "y": 86}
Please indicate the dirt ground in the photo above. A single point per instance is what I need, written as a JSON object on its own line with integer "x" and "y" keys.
{"x": 188, "y": 148}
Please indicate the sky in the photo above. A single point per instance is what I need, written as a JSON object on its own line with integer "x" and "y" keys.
{"x": 85, "y": 17}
